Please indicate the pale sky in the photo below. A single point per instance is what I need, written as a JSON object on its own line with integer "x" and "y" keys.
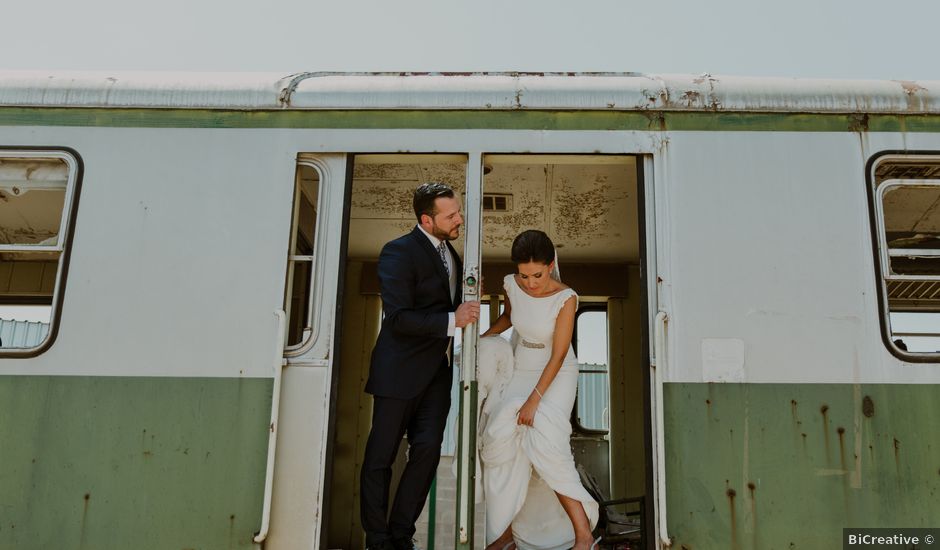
{"x": 803, "y": 38}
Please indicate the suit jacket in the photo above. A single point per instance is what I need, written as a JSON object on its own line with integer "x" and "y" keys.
{"x": 416, "y": 300}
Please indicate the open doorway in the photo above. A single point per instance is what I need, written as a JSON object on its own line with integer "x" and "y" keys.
{"x": 589, "y": 205}
{"x": 380, "y": 198}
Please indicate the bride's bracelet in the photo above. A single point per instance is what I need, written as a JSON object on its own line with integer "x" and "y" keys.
{"x": 538, "y": 392}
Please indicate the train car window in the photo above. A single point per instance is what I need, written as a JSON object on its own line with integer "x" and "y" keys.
{"x": 36, "y": 189}
{"x": 300, "y": 260}
{"x": 907, "y": 206}
{"x": 594, "y": 380}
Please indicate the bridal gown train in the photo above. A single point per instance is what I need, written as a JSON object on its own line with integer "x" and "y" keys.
{"x": 523, "y": 467}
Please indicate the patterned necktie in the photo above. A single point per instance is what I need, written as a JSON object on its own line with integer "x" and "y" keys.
{"x": 440, "y": 250}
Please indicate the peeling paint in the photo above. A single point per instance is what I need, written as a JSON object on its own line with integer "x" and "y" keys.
{"x": 461, "y": 91}
{"x": 916, "y": 95}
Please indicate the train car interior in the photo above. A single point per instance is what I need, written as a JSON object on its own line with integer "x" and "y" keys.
{"x": 33, "y": 201}
{"x": 589, "y": 206}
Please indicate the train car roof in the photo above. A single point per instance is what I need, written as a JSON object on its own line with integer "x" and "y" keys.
{"x": 465, "y": 91}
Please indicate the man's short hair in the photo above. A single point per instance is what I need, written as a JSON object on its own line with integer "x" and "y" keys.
{"x": 425, "y": 195}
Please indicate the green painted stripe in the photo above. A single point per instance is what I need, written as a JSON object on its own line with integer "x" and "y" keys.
{"x": 446, "y": 120}
{"x": 142, "y": 463}
{"x": 774, "y": 465}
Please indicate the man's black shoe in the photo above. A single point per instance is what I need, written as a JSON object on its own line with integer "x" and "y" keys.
{"x": 406, "y": 544}
{"x": 384, "y": 545}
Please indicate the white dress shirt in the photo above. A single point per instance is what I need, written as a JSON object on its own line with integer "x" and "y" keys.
{"x": 435, "y": 242}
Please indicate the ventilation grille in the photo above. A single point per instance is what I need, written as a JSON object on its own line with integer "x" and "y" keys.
{"x": 914, "y": 295}
{"x": 493, "y": 202}
{"x": 902, "y": 170}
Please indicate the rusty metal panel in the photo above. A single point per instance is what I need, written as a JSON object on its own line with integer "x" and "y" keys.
{"x": 790, "y": 465}
{"x": 131, "y": 462}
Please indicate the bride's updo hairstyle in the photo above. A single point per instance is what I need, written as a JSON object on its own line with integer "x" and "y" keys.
{"x": 532, "y": 246}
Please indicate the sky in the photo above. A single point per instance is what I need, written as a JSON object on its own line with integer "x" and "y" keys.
{"x": 860, "y": 39}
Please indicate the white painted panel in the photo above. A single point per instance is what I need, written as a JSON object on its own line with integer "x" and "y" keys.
{"x": 180, "y": 245}
{"x": 767, "y": 240}
{"x": 298, "y": 474}
{"x": 723, "y": 359}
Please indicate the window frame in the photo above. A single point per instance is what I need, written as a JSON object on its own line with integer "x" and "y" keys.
{"x": 885, "y": 251}
{"x": 881, "y": 253}
{"x": 311, "y": 328}
{"x": 64, "y": 241}
{"x": 576, "y": 425}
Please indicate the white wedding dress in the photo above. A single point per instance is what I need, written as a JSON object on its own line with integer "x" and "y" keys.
{"x": 523, "y": 467}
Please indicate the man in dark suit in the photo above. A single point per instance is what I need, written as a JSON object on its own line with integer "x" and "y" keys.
{"x": 410, "y": 375}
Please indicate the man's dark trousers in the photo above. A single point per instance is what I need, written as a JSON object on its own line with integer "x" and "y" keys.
{"x": 422, "y": 418}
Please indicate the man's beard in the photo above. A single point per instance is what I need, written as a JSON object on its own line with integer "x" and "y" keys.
{"x": 441, "y": 235}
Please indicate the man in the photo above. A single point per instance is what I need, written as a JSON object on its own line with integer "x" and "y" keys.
{"x": 410, "y": 376}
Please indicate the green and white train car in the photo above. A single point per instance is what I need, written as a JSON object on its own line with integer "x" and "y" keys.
{"x": 764, "y": 255}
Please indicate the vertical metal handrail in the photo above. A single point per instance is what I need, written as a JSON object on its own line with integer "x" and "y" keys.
{"x": 659, "y": 369}
{"x": 467, "y": 433}
{"x": 279, "y": 363}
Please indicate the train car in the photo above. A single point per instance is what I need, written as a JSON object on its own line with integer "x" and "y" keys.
{"x": 195, "y": 259}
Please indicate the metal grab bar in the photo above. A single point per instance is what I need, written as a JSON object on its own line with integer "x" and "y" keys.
{"x": 279, "y": 363}
{"x": 659, "y": 370}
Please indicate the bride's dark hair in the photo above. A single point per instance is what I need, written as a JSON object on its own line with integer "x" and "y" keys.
{"x": 532, "y": 246}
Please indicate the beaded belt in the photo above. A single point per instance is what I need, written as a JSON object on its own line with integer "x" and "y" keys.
{"x": 533, "y": 345}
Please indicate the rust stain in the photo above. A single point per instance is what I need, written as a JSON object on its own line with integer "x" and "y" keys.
{"x": 657, "y": 120}
{"x": 868, "y": 407}
{"x": 146, "y": 447}
{"x": 752, "y": 488}
{"x": 916, "y": 100}
{"x": 691, "y": 98}
{"x": 858, "y": 123}
{"x": 897, "y": 454}
{"x": 824, "y": 410}
{"x": 712, "y": 100}
{"x": 731, "y": 493}
{"x": 841, "y": 431}
{"x": 87, "y": 500}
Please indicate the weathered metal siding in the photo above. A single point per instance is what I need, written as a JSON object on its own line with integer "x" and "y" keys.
{"x": 787, "y": 466}
{"x": 137, "y": 462}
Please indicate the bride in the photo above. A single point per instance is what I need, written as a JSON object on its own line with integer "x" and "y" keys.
{"x": 534, "y": 497}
